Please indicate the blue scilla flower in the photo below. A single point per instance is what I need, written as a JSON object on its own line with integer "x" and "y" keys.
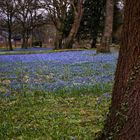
{"x": 8, "y": 93}
{"x": 107, "y": 95}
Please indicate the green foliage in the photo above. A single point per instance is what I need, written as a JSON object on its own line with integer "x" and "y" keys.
{"x": 93, "y": 19}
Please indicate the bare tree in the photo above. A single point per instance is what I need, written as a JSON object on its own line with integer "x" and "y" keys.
{"x": 57, "y": 12}
{"x": 29, "y": 15}
{"x": 7, "y": 12}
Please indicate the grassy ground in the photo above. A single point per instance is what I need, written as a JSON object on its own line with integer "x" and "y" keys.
{"x": 34, "y": 51}
{"x": 42, "y": 116}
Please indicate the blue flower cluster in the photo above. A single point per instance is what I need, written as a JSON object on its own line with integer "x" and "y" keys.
{"x": 54, "y": 71}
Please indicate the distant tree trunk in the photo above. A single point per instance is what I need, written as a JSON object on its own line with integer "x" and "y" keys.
{"x": 24, "y": 40}
{"x": 78, "y": 13}
{"x": 117, "y": 24}
{"x": 31, "y": 39}
{"x": 15, "y": 43}
{"x": 97, "y": 24}
{"x": 123, "y": 122}
{"x": 107, "y": 34}
{"x": 26, "y": 43}
{"x": 9, "y": 41}
{"x": 58, "y": 40}
{"x": 94, "y": 42}
{"x": 27, "y": 38}
{"x": 10, "y": 34}
{"x": 6, "y": 43}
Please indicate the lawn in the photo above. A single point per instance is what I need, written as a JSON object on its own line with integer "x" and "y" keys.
{"x": 55, "y": 96}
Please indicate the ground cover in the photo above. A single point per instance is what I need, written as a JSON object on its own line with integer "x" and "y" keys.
{"x": 33, "y": 50}
{"x": 61, "y": 95}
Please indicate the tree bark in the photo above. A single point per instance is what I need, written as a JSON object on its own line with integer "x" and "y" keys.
{"x": 94, "y": 41}
{"x": 123, "y": 122}
{"x": 9, "y": 40}
{"x": 23, "y": 40}
{"x": 58, "y": 40}
{"x": 78, "y": 13}
{"x": 27, "y": 38}
{"x": 10, "y": 33}
{"x": 107, "y": 34}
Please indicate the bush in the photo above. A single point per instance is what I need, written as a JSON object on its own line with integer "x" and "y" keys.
{"x": 37, "y": 43}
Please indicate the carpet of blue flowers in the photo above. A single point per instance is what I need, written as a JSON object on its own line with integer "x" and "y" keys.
{"x": 61, "y": 95}
{"x": 55, "y": 71}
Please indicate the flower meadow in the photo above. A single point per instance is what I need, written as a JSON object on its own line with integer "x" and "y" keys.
{"x": 55, "y": 96}
{"x": 55, "y": 71}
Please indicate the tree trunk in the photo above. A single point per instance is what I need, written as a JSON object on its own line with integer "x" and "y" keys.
{"x": 78, "y": 13}
{"x": 107, "y": 34}
{"x": 94, "y": 41}
{"x": 117, "y": 24}
{"x": 123, "y": 122}
{"x": 26, "y": 43}
{"x": 23, "y": 40}
{"x": 15, "y": 43}
{"x": 58, "y": 40}
{"x": 31, "y": 39}
{"x": 27, "y": 39}
{"x": 10, "y": 42}
{"x": 9, "y": 36}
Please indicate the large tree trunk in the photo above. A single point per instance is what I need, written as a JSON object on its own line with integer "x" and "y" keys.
{"x": 123, "y": 122}
{"x": 78, "y": 13}
{"x": 107, "y": 34}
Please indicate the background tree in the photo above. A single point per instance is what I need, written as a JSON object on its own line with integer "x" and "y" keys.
{"x": 78, "y": 10}
{"x": 123, "y": 122}
{"x": 69, "y": 21}
{"x": 92, "y": 21}
{"x": 29, "y": 15}
{"x": 7, "y": 12}
{"x": 107, "y": 34}
{"x": 57, "y": 12}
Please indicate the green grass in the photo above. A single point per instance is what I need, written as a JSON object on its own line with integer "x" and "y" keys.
{"x": 37, "y": 52}
{"x": 24, "y": 52}
{"x": 38, "y": 115}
